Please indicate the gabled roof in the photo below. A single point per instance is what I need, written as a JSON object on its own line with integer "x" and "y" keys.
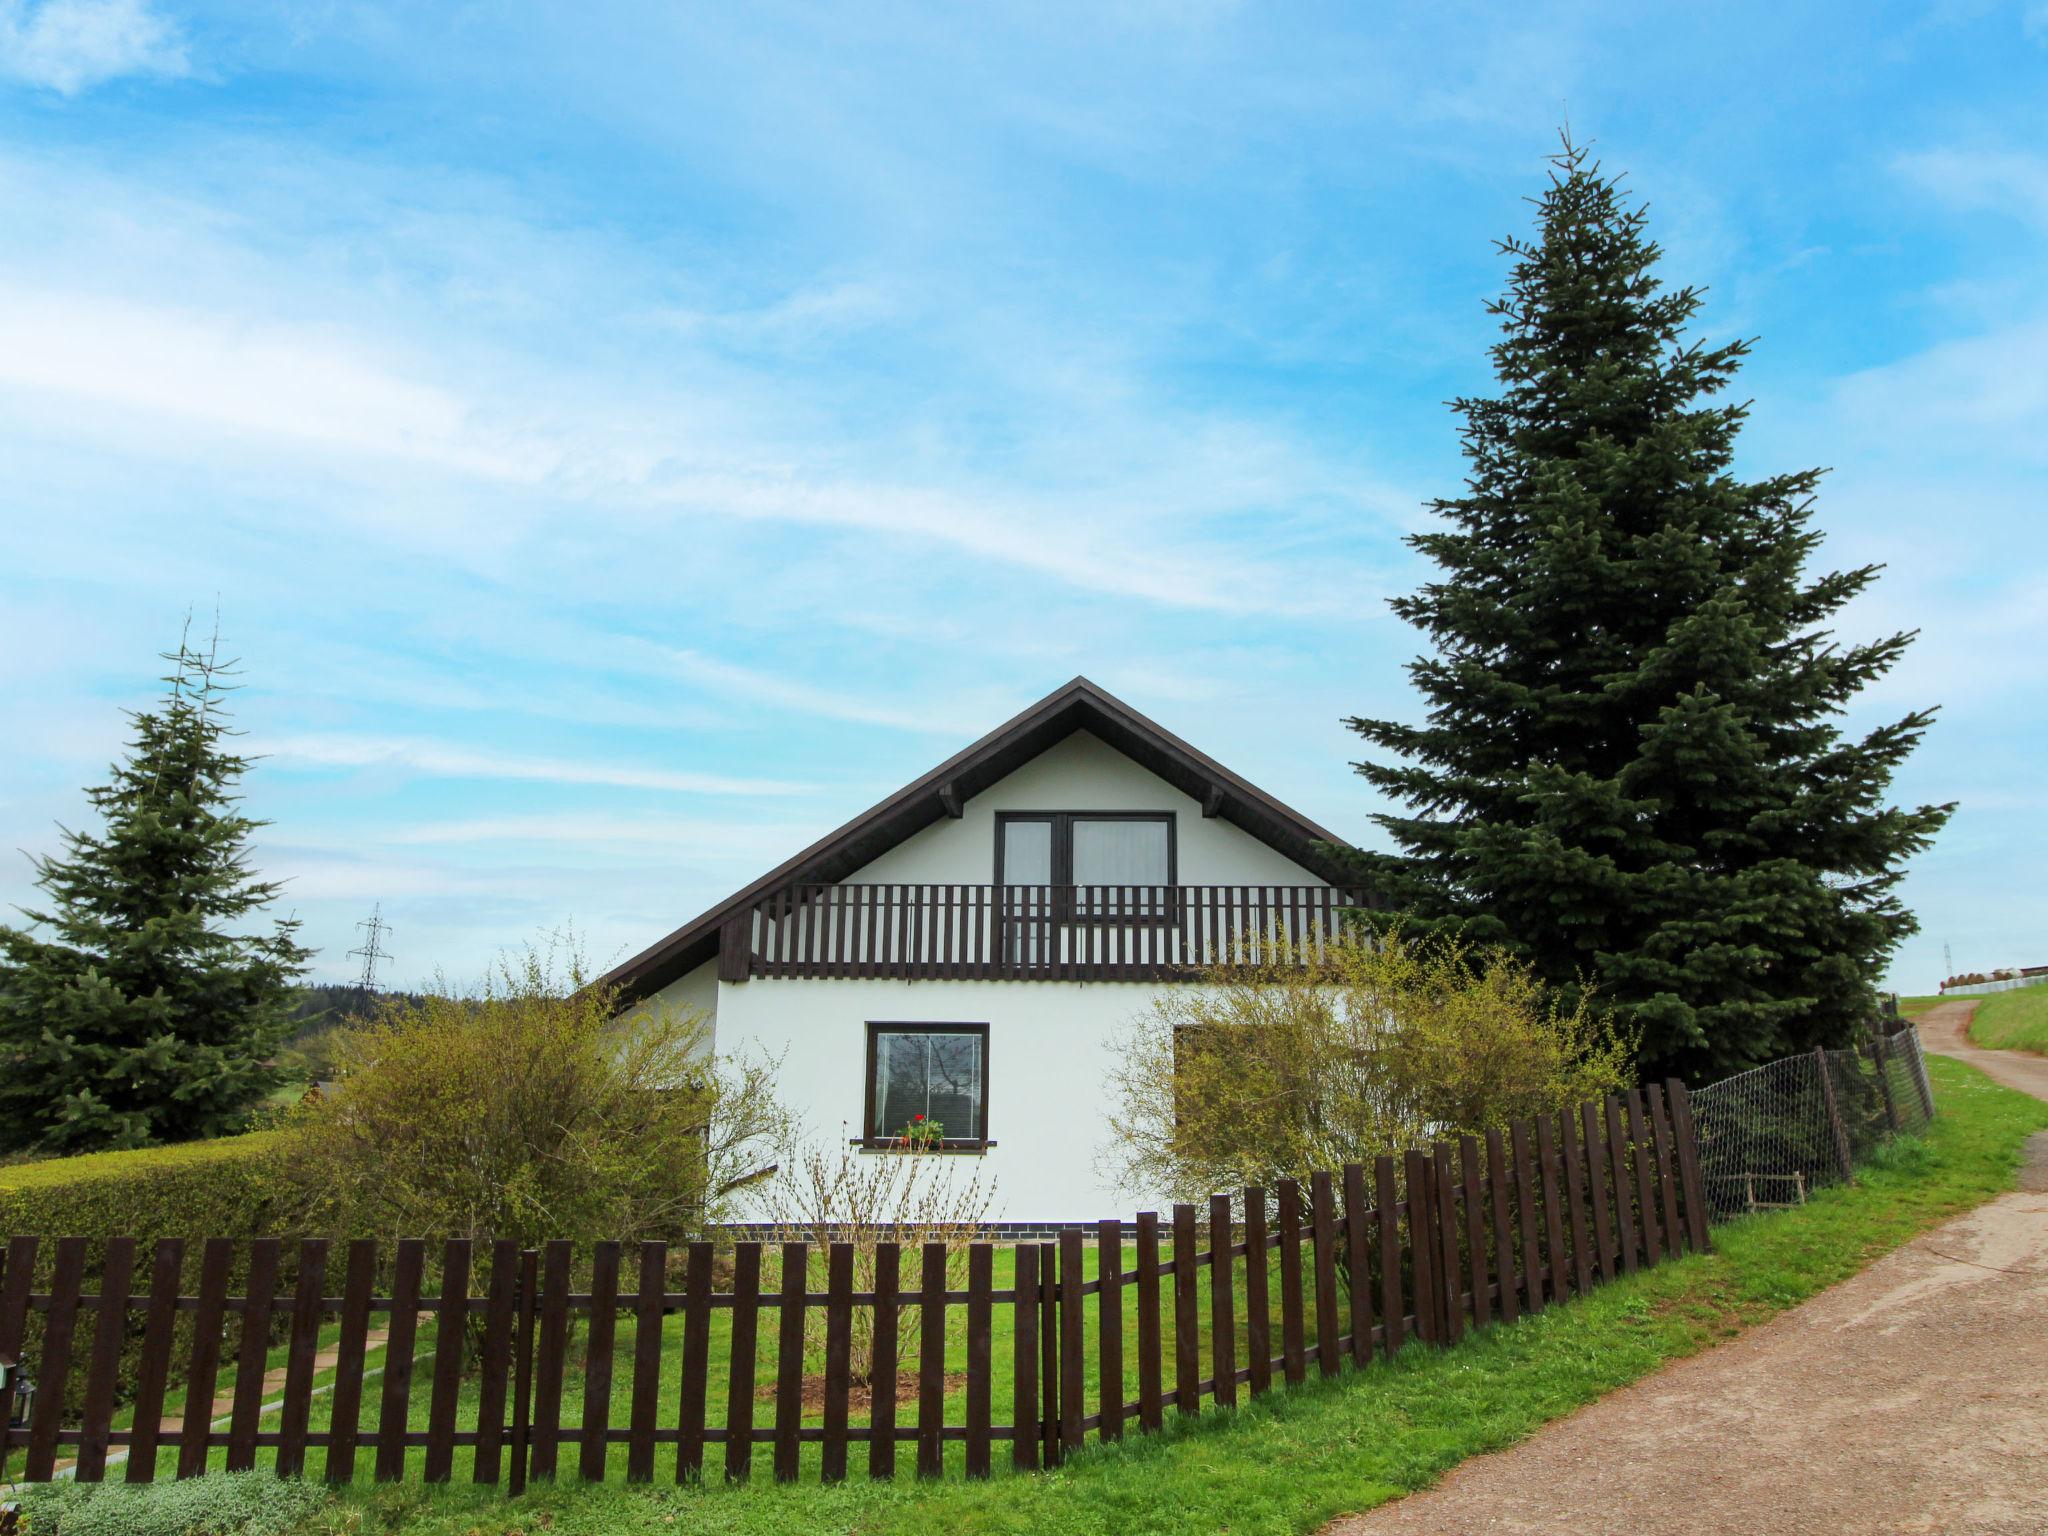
{"x": 1079, "y": 706}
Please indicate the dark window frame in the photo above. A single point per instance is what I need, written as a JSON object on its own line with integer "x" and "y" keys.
{"x": 1063, "y": 861}
{"x": 870, "y": 1135}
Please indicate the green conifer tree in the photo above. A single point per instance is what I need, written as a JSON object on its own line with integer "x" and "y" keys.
{"x": 138, "y": 1013}
{"x": 1631, "y": 769}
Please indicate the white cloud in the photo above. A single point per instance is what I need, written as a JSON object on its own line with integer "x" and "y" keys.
{"x": 2011, "y": 182}
{"x": 247, "y": 377}
{"x": 442, "y": 761}
{"x": 72, "y": 45}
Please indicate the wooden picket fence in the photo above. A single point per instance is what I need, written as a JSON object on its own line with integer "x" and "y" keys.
{"x": 1422, "y": 1247}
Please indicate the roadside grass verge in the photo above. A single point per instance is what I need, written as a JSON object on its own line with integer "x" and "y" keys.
{"x": 1913, "y": 1007}
{"x": 1296, "y": 1459}
{"x": 2012, "y": 1021}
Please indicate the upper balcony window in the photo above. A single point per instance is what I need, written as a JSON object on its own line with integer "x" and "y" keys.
{"x": 1086, "y": 849}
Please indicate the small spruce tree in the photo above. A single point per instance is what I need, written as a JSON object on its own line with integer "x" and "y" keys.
{"x": 1631, "y": 770}
{"x": 138, "y": 1013}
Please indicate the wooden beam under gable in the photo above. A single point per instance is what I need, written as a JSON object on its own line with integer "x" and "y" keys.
{"x": 950, "y": 800}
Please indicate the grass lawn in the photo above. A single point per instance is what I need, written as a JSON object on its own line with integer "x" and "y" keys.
{"x": 1913, "y": 1007}
{"x": 1297, "y": 1458}
{"x": 2013, "y": 1021}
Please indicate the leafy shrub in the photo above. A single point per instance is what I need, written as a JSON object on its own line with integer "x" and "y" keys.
{"x": 531, "y": 1111}
{"x": 1272, "y": 1068}
{"x": 219, "y": 1504}
{"x": 909, "y": 1197}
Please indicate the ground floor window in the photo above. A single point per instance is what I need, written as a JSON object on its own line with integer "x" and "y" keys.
{"x": 926, "y": 1074}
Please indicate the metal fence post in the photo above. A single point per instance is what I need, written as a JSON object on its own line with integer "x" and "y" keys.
{"x": 1835, "y": 1126}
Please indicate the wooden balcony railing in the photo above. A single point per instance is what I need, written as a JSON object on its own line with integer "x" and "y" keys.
{"x": 1029, "y": 932}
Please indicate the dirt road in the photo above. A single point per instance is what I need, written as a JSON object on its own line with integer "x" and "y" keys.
{"x": 1913, "y": 1397}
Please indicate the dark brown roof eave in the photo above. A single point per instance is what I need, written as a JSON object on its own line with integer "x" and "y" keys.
{"x": 1079, "y": 705}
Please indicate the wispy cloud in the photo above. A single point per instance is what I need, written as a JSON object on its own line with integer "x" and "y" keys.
{"x": 69, "y": 46}
{"x": 445, "y": 761}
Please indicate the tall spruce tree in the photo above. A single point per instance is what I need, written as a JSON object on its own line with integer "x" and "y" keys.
{"x": 139, "y": 1014}
{"x": 1631, "y": 771}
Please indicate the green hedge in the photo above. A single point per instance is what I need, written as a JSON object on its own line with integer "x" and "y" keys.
{"x": 231, "y": 1187}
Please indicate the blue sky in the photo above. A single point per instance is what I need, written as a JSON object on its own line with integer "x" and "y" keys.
{"x": 623, "y": 441}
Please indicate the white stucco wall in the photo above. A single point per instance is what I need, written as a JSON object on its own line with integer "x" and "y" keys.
{"x": 696, "y": 990}
{"x": 1082, "y": 773}
{"x": 1048, "y": 1062}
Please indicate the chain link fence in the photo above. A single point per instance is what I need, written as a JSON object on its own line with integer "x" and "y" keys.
{"x": 1770, "y": 1136}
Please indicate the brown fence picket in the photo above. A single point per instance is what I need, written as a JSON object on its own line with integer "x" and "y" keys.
{"x": 1531, "y": 1265}
{"x": 1639, "y": 1154}
{"x": 1422, "y": 1244}
{"x": 1596, "y": 1188}
{"x": 1322, "y": 1206}
{"x": 500, "y": 1312}
{"x": 545, "y": 1443}
{"x": 1187, "y": 1334}
{"x": 840, "y": 1356}
{"x": 980, "y": 1281}
{"x": 1386, "y": 1206}
{"x": 1689, "y": 1163}
{"x": 789, "y": 1360}
{"x": 1150, "y": 1415}
{"x": 451, "y": 1327}
{"x": 1553, "y": 1213}
{"x": 67, "y": 1283}
{"x": 16, "y": 1280}
{"x": 1024, "y": 1360}
{"x": 1475, "y": 1230}
{"x": 252, "y": 1344}
{"x": 1109, "y": 1325}
{"x": 1444, "y": 1192}
{"x": 153, "y": 1370}
{"x": 931, "y": 1363}
{"x": 309, "y": 1310}
{"x": 1048, "y": 1356}
{"x": 649, "y": 1307}
{"x": 1357, "y": 1252}
{"x": 522, "y": 1369}
{"x": 344, "y": 1426}
{"x": 1617, "y": 1158}
{"x": 696, "y": 1381}
{"x": 600, "y": 1340}
{"x": 1575, "y": 1202}
{"x": 1667, "y": 1170}
{"x": 103, "y": 1368}
{"x": 395, "y": 1401}
{"x": 1497, "y": 1187}
{"x": 1072, "y": 1359}
{"x": 1258, "y": 1300}
{"x": 741, "y": 1352}
{"x": 882, "y": 1362}
{"x": 1293, "y": 1336}
{"x": 1222, "y": 1305}
{"x": 203, "y": 1366}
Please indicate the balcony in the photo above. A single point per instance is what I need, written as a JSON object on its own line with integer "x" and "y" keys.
{"x": 1027, "y": 932}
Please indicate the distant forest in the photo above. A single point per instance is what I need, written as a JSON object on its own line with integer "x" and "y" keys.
{"x": 318, "y": 1011}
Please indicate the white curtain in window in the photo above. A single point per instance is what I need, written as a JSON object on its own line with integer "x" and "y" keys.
{"x": 1027, "y": 853}
{"x": 934, "y": 1075}
{"x": 1120, "y": 852}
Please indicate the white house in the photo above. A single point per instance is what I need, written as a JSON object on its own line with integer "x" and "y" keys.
{"x": 965, "y": 950}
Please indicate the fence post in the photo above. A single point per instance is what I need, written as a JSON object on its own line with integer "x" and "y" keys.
{"x": 1879, "y": 1053}
{"x": 522, "y": 1369}
{"x": 1920, "y": 1083}
{"x": 1841, "y": 1135}
{"x": 1687, "y": 1136}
